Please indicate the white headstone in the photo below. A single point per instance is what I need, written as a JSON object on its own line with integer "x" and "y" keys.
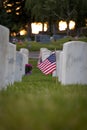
{"x": 11, "y": 63}
{"x": 56, "y": 72}
{"x": 74, "y": 69}
{"x": 25, "y": 61}
{"x": 25, "y": 51}
{"x": 44, "y": 53}
{"x": 4, "y": 40}
{"x": 19, "y": 66}
{"x": 25, "y": 54}
{"x": 60, "y": 66}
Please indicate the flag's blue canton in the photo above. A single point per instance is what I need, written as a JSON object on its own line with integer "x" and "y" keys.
{"x": 52, "y": 58}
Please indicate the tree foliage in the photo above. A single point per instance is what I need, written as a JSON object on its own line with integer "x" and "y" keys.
{"x": 15, "y": 14}
{"x": 82, "y": 13}
{"x": 63, "y": 9}
{"x": 4, "y": 17}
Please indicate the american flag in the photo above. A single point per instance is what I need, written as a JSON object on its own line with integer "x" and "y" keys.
{"x": 48, "y": 65}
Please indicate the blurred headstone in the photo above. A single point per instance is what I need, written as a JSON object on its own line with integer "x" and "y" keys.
{"x": 57, "y": 37}
{"x": 42, "y": 38}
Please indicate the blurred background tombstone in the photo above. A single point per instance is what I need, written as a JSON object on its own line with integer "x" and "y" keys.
{"x": 57, "y": 37}
{"x": 56, "y": 72}
{"x": 44, "y": 53}
{"x": 42, "y": 38}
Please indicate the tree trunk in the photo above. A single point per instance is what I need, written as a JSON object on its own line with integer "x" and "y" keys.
{"x": 68, "y": 30}
{"x": 29, "y": 30}
{"x": 42, "y": 26}
{"x": 55, "y": 28}
{"x": 50, "y": 26}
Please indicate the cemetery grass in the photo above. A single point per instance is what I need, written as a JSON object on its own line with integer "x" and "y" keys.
{"x": 58, "y": 45}
{"x": 40, "y": 102}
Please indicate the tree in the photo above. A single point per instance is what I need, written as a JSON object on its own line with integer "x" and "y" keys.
{"x": 43, "y": 10}
{"x": 4, "y": 17}
{"x": 51, "y": 11}
{"x": 16, "y": 14}
{"x": 29, "y": 4}
{"x": 68, "y": 11}
{"x": 75, "y": 10}
{"x": 15, "y": 11}
{"x": 82, "y": 13}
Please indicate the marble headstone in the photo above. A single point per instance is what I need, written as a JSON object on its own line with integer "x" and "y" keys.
{"x": 74, "y": 65}
{"x": 4, "y": 40}
{"x": 25, "y": 51}
{"x": 11, "y": 63}
{"x": 60, "y": 66}
{"x": 44, "y": 53}
{"x": 56, "y": 72}
{"x": 25, "y": 61}
{"x": 42, "y": 38}
{"x": 19, "y": 66}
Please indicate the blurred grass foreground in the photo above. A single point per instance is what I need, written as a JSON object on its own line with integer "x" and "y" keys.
{"x": 41, "y": 103}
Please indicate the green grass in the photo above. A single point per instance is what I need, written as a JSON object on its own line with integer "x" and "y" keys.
{"x": 58, "y": 45}
{"x": 39, "y": 103}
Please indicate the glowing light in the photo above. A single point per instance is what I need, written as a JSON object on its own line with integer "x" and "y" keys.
{"x": 10, "y": 5}
{"x": 8, "y": 11}
{"x": 45, "y": 27}
{"x": 23, "y": 32}
{"x": 71, "y": 25}
{"x": 18, "y": 8}
{"x": 17, "y": 2}
{"x": 36, "y": 27}
{"x": 13, "y": 34}
{"x": 17, "y": 13}
{"x": 62, "y": 25}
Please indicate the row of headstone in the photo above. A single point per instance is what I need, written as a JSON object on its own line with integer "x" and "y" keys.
{"x": 72, "y": 63}
{"x": 56, "y": 37}
{"x": 42, "y": 38}
{"x": 12, "y": 62}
